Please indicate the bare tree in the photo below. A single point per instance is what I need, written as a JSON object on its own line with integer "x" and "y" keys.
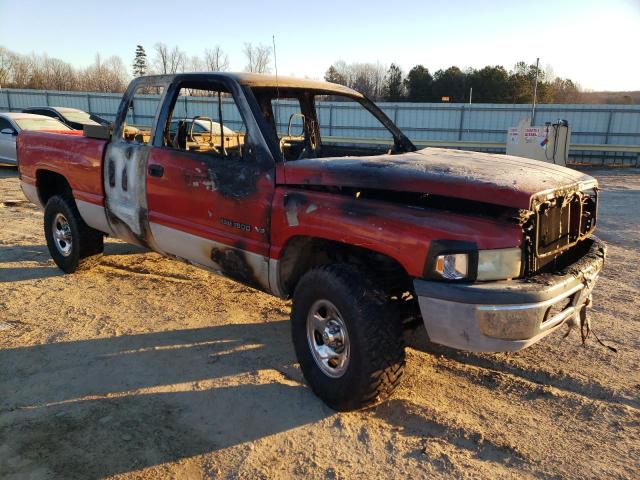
{"x": 367, "y": 78}
{"x": 215, "y": 60}
{"x": 193, "y": 64}
{"x": 109, "y": 75}
{"x": 258, "y": 58}
{"x": 168, "y": 60}
{"x": 5, "y": 66}
{"x": 161, "y": 60}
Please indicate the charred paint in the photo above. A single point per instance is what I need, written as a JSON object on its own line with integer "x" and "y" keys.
{"x": 234, "y": 264}
{"x": 496, "y": 179}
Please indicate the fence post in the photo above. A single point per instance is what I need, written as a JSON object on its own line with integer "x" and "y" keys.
{"x": 88, "y": 103}
{"x": 46, "y": 97}
{"x": 331, "y": 119}
{"x": 8, "y": 100}
{"x": 606, "y": 135}
{"x": 461, "y": 122}
{"x": 395, "y": 115}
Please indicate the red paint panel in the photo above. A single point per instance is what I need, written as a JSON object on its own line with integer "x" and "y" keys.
{"x": 77, "y": 158}
{"x": 185, "y": 198}
{"x": 399, "y": 232}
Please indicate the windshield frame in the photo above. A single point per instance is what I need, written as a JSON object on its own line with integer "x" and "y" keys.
{"x": 262, "y": 95}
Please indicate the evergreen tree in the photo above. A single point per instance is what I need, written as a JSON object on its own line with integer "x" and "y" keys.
{"x": 419, "y": 84}
{"x": 332, "y": 75}
{"x": 140, "y": 64}
{"x": 393, "y": 89}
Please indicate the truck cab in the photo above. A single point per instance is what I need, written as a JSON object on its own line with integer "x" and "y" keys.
{"x": 244, "y": 175}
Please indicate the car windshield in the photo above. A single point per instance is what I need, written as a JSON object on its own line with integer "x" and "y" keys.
{"x": 201, "y": 126}
{"x": 40, "y": 124}
{"x": 79, "y": 117}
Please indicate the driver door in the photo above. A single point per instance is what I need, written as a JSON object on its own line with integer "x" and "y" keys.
{"x": 209, "y": 192}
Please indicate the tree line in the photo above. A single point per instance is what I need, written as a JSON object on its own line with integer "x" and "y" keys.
{"x": 112, "y": 74}
{"x": 491, "y": 84}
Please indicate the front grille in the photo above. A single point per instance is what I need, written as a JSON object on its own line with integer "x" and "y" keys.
{"x": 559, "y": 224}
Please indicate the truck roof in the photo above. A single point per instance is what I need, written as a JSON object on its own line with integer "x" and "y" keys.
{"x": 272, "y": 81}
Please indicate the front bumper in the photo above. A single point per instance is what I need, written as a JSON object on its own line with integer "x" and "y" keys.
{"x": 510, "y": 315}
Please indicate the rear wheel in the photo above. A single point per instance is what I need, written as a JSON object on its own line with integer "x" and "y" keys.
{"x": 347, "y": 340}
{"x": 72, "y": 244}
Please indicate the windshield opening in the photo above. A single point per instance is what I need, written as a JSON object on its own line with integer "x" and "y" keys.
{"x": 318, "y": 124}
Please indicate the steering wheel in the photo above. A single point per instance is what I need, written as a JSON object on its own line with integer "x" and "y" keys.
{"x": 310, "y": 141}
{"x": 308, "y": 137}
{"x": 211, "y": 145}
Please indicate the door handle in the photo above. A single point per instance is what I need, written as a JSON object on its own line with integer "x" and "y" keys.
{"x": 156, "y": 170}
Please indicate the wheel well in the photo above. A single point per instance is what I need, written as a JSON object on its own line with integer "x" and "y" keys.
{"x": 301, "y": 254}
{"x": 50, "y": 184}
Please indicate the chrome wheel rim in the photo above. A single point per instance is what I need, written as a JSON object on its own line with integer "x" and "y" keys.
{"x": 328, "y": 338}
{"x": 62, "y": 234}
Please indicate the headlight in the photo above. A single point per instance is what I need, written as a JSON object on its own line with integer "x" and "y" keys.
{"x": 453, "y": 266}
{"x": 482, "y": 265}
{"x": 500, "y": 264}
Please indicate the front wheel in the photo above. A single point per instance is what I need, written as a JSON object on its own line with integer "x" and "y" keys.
{"x": 72, "y": 244}
{"x": 347, "y": 340}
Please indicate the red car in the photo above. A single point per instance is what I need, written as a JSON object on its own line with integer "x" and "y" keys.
{"x": 368, "y": 236}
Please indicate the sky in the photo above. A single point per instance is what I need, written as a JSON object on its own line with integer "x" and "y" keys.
{"x": 595, "y": 43}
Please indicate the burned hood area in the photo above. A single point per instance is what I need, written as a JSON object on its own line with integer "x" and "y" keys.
{"x": 494, "y": 179}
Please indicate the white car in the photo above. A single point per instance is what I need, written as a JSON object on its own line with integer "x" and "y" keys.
{"x": 12, "y": 123}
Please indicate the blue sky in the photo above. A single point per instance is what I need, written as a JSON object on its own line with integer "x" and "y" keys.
{"x": 593, "y": 42}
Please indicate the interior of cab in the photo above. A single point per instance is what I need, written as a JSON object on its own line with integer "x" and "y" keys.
{"x": 293, "y": 117}
{"x": 204, "y": 119}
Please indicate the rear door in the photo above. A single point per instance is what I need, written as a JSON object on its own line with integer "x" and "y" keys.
{"x": 124, "y": 172}
{"x": 210, "y": 181}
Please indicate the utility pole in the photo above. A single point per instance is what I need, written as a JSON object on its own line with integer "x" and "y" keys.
{"x": 470, "y": 95}
{"x": 535, "y": 92}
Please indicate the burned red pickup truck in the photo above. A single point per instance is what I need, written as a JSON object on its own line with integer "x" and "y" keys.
{"x": 242, "y": 174}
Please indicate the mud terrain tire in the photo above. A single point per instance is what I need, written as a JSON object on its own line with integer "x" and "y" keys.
{"x": 376, "y": 354}
{"x": 72, "y": 244}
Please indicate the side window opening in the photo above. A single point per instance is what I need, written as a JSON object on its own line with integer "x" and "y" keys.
{"x": 142, "y": 111}
{"x": 206, "y": 120}
{"x": 5, "y": 124}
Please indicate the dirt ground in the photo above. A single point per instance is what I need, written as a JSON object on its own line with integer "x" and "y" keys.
{"x": 148, "y": 368}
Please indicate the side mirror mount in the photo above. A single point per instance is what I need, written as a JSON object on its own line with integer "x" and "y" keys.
{"x": 8, "y": 131}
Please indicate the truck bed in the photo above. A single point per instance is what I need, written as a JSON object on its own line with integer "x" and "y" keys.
{"x": 77, "y": 158}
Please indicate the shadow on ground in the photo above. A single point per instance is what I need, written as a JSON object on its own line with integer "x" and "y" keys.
{"x": 8, "y": 171}
{"x": 94, "y": 408}
{"x": 44, "y": 266}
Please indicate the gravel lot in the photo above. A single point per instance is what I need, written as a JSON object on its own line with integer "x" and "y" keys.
{"x": 148, "y": 368}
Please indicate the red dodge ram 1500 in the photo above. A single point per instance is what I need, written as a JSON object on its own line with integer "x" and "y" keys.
{"x": 245, "y": 175}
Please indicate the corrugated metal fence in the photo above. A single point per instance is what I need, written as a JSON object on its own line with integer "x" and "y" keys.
{"x": 480, "y": 126}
